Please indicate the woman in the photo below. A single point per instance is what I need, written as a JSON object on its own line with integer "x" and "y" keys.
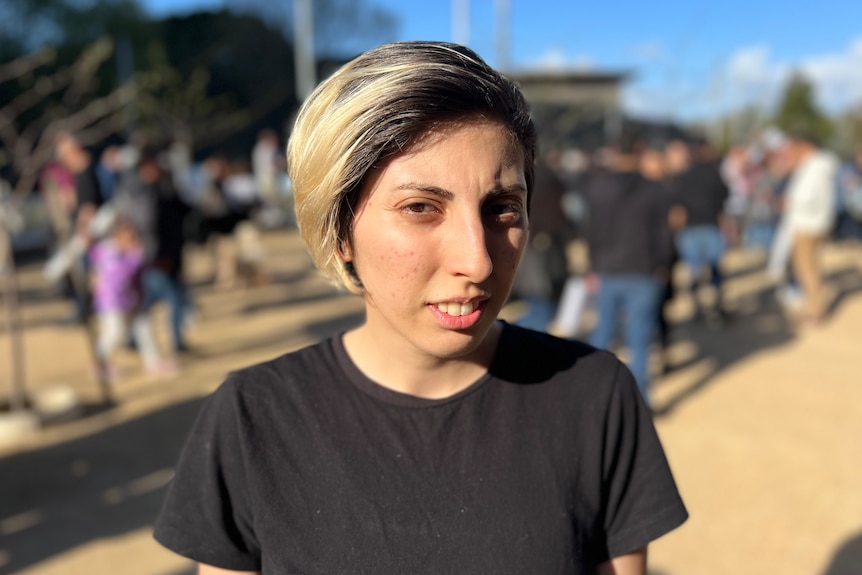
{"x": 433, "y": 438}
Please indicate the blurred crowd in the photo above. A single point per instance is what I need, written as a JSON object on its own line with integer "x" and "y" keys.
{"x": 648, "y": 210}
{"x": 656, "y": 214}
{"x": 122, "y": 218}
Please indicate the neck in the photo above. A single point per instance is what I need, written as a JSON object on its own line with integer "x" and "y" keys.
{"x": 406, "y": 369}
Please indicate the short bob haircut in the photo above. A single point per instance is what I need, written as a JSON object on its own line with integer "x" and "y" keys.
{"x": 381, "y": 104}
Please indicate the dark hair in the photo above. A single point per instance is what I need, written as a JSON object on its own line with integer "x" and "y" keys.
{"x": 377, "y": 106}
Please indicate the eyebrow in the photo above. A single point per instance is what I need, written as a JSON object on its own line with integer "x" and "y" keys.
{"x": 445, "y": 194}
{"x": 411, "y": 186}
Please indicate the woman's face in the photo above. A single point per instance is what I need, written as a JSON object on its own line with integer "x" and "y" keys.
{"x": 437, "y": 238}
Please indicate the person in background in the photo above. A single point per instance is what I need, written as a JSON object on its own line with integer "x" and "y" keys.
{"x": 265, "y": 161}
{"x": 117, "y": 263}
{"x": 630, "y": 255}
{"x": 243, "y": 199}
{"x": 809, "y": 217}
{"x": 88, "y": 199}
{"x": 432, "y": 437}
{"x": 219, "y": 220}
{"x": 848, "y": 226}
{"x": 150, "y": 198}
{"x": 655, "y": 168}
{"x": 699, "y": 195}
{"x": 79, "y": 161}
{"x": 108, "y": 171}
{"x": 544, "y": 267}
{"x": 768, "y": 174}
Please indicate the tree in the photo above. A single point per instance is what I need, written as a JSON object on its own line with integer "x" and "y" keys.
{"x": 63, "y": 100}
{"x": 25, "y": 25}
{"x": 848, "y": 131}
{"x": 798, "y": 112}
{"x": 44, "y": 103}
{"x": 226, "y": 76}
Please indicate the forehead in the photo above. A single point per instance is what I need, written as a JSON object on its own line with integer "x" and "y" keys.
{"x": 451, "y": 158}
{"x": 498, "y": 142}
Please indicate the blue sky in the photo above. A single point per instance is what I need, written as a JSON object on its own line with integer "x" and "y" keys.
{"x": 689, "y": 60}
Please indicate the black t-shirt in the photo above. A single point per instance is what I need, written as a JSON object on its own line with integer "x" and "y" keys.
{"x": 547, "y": 464}
{"x": 702, "y": 192}
{"x": 87, "y": 187}
{"x": 627, "y": 225}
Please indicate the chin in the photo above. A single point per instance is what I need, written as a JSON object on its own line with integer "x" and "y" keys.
{"x": 459, "y": 344}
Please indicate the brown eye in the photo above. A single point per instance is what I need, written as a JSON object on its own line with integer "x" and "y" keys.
{"x": 508, "y": 213}
{"x": 419, "y": 208}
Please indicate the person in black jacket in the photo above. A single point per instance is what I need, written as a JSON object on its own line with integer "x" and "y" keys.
{"x": 630, "y": 253}
{"x": 699, "y": 196}
{"x": 163, "y": 281}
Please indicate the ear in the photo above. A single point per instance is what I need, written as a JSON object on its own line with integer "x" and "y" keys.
{"x": 345, "y": 251}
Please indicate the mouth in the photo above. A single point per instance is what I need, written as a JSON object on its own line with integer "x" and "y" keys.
{"x": 457, "y": 309}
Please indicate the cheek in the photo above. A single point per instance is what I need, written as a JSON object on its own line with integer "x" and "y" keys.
{"x": 510, "y": 248}
{"x": 402, "y": 263}
{"x": 392, "y": 265}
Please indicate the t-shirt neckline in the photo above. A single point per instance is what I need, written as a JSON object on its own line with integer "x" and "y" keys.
{"x": 383, "y": 394}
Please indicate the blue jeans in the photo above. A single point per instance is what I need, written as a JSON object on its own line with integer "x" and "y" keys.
{"x": 759, "y": 234}
{"x": 636, "y": 299}
{"x": 162, "y": 286}
{"x": 699, "y": 247}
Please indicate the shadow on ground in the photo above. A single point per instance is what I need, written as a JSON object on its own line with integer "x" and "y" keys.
{"x": 848, "y": 558}
{"x": 103, "y": 485}
{"x": 110, "y": 483}
{"x": 746, "y": 333}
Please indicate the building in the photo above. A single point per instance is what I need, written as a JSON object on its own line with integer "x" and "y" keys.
{"x": 574, "y": 109}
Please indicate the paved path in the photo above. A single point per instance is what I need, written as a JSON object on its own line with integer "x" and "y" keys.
{"x": 763, "y": 427}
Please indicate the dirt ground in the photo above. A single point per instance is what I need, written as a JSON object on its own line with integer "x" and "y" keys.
{"x": 762, "y": 425}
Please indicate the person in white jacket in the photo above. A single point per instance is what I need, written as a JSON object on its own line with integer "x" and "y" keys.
{"x": 809, "y": 215}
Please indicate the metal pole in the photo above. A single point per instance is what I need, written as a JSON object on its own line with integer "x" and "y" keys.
{"x": 461, "y": 22}
{"x": 18, "y": 396}
{"x": 124, "y": 57}
{"x": 303, "y": 50}
{"x": 503, "y": 12}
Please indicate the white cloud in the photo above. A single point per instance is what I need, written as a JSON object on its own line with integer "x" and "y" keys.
{"x": 648, "y": 51}
{"x": 749, "y": 63}
{"x": 838, "y": 77}
{"x": 750, "y": 76}
{"x": 753, "y": 76}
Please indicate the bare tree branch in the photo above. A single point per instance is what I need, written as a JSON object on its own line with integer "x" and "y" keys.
{"x": 85, "y": 68}
{"x": 44, "y": 150}
{"x": 94, "y": 111}
{"x": 40, "y": 90}
{"x": 20, "y": 66}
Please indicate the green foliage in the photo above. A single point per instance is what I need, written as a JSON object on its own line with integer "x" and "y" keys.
{"x": 798, "y": 113}
{"x": 28, "y": 25}
{"x": 218, "y": 77}
{"x": 847, "y": 138}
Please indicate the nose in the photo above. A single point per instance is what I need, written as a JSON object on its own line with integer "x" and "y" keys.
{"x": 468, "y": 254}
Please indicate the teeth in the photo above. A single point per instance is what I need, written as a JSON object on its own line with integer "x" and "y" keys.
{"x": 456, "y": 309}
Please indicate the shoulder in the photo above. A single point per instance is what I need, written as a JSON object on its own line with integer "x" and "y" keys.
{"x": 526, "y": 356}
{"x": 284, "y": 379}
